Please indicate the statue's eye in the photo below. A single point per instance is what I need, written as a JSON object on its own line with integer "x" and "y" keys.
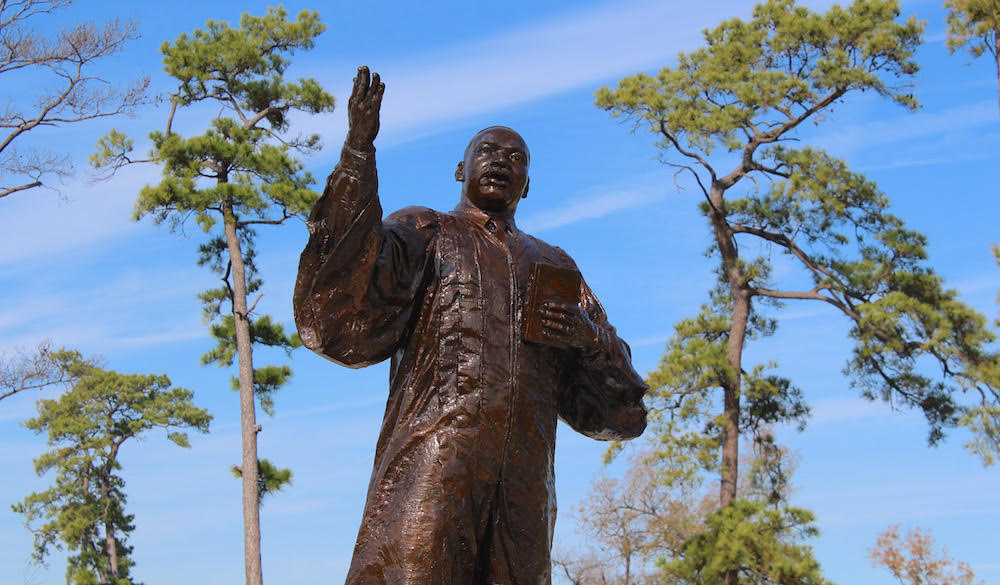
{"x": 517, "y": 157}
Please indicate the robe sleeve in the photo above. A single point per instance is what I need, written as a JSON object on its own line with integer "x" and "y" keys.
{"x": 359, "y": 276}
{"x": 600, "y": 393}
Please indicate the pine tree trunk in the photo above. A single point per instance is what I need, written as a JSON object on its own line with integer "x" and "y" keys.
{"x": 86, "y": 544}
{"x": 734, "y": 347}
{"x": 731, "y": 398}
{"x": 996, "y": 59}
{"x": 109, "y": 529}
{"x": 248, "y": 418}
{"x": 734, "y": 355}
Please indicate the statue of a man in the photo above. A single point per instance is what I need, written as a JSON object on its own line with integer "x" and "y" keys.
{"x": 462, "y": 492}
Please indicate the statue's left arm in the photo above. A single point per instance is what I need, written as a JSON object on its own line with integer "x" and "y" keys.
{"x": 599, "y": 393}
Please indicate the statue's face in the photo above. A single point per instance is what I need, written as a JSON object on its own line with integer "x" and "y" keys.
{"x": 495, "y": 170}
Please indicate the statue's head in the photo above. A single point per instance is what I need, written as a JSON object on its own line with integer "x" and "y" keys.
{"x": 494, "y": 171}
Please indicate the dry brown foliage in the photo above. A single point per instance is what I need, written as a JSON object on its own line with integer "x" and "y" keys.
{"x": 912, "y": 559}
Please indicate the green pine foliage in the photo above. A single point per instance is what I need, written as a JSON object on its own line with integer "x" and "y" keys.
{"x": 84, "y": 509}
{"x": 975, "y": 25}
{"x": 758, "y": 539}
{"x": 761, "y": 545}
{"x": 271, "y": 479}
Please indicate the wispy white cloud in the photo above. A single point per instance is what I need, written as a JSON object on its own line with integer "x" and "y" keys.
{"x": 916, "y": 161}
{"x": 596, "y": 202}
{"x": 541, "y": 59}
{"x": 38, "y": 224}
{"x": 987, "y": 281}
{"x": 170, "y": 336}
{"x": 133, "y": 307}
{"x": 909, "y": 127}
{"x": 333, "y": 407}
{"x": 428, "y": 92}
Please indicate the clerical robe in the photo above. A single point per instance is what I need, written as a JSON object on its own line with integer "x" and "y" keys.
{"x": 463, "y": 489}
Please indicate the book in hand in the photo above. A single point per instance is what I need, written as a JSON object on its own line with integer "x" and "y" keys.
{"x": 548, "y": 283}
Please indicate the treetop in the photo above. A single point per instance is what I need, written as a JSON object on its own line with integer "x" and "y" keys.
{"x": 757, "y": 79}
{"x": 244, "y": 67}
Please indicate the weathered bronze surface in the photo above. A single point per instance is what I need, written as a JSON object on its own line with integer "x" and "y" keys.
{"x": 463, "y": 491}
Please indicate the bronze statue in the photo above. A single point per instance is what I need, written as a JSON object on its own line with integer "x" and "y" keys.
{"x": 462, "y": 492}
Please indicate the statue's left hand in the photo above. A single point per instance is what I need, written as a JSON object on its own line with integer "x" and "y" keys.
{"x": 568, "y": 324}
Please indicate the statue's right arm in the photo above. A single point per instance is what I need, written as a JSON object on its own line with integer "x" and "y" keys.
{"x": 356, "y": 276}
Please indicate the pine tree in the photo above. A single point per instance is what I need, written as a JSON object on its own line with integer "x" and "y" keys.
{"x": 87, "y": 426}
{"x": 240, "y": 174}
{"x": 975, "y": 24}
{"x": 725, "y": 115}
{"x": 745, "y": 93}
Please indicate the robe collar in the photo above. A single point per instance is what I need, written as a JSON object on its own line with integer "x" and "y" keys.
{"x": 480, "y": 217}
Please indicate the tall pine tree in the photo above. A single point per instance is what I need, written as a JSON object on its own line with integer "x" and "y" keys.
{"x": 239, "y": 174}
{"x": 87, "y": 427}
{"x": 724, "y": 116}
{"x": 745, "y": 93}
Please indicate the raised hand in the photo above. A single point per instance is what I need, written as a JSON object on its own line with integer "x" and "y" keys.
{"x": 568, "y": 324}
{"x": 363, "y": 109}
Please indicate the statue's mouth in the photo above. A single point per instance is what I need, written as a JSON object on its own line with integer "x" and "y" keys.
{"x": 497, "y": 177}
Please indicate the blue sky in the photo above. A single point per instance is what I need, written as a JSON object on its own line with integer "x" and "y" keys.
{"x": 75, "y": 269}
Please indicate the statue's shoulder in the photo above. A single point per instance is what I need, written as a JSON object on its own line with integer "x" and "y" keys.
{"x": 550, "y": 253}
{"x": 416, "y": 216}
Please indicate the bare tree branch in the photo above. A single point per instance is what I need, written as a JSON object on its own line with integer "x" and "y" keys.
{"x": 67, "y": 58}
{"x": 5, "y": 191}
{"x": 692, "y": 155}
{"x": 30, "y": 370}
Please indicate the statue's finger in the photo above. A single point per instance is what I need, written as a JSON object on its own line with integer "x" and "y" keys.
{"x": 557, "y": 327}
{"x": 379, "y": 91}
{"x": 363, "y": 82}
{"x": 373, "y": 89}
{"x": 560, "y": 310}
{"x": 356, "y": 90}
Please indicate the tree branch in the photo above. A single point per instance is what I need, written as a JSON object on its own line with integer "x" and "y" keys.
{"x": 285, "y": 216}
{"x": 5, "y": 191}
{"x": 254, "y": 305}
{"x": 784, "y": 241}
{"x": 693, "y": 155}
{"x": 260, "y": 116}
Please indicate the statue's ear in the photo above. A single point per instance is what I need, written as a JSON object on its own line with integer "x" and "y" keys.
{"x": 527, "y": 183}
{"x": 460, "y": 172}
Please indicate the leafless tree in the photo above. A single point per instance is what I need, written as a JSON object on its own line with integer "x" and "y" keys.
{"x": 63, "y": 65}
